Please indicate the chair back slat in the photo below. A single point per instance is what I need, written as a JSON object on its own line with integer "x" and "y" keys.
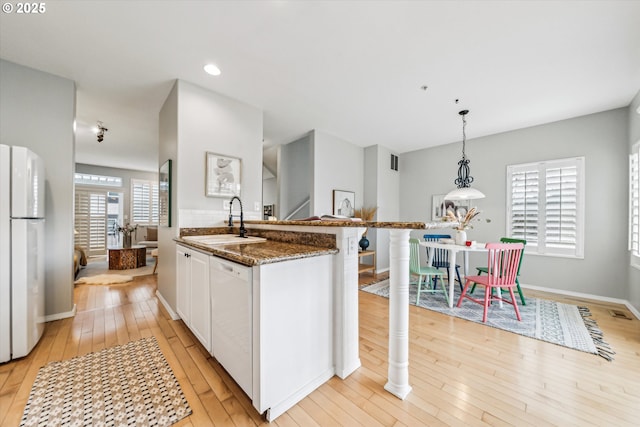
{"x": 440, "y": 256}
{"x": 414, "y": 255}
{"x": 503, "y": 262}
{"x": 511, "y": 240}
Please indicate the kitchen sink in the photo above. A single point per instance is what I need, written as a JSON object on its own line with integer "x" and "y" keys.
{"x": 223, "y": 239}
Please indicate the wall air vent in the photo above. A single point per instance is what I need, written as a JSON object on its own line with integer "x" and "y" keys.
{"x": 394, "y": 162}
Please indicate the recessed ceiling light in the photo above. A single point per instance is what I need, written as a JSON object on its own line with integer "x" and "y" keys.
{"x": 212, "y": 69}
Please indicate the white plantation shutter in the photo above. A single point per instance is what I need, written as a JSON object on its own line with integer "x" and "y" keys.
{"x": 91, "y": 221}
{"x": 634, "y": 205}
{"x": 524, "y": 205}
{"x": 545, "y": 206}
{"x": 144, "y": 202}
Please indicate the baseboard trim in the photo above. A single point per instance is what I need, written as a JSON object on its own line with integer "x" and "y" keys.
{"x": 624, "y": 302}
{"x": 58, "y": 316}
{"x": 165, "y": 304}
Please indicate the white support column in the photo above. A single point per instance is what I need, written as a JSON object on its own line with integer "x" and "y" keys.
{"x": 398, "y": 377}
{"x": 346, "y": 342}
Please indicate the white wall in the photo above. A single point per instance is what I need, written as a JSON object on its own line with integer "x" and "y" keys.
{"x": 195, "y": 120}
{"x": 634, "y": 136}
{"x": 381, "y": 185}
{"x": 601, "y": 138}
{"x": 337, "y": 165}
{"x": 208, "y": 121}
{"x": 37, "y": 110}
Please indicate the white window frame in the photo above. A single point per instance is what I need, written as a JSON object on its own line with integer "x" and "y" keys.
{"x": 97, "y": 180}
{"x": 152, "y": 214}
{"x": 634, "y": 206}
{"x": 542, "y": 247}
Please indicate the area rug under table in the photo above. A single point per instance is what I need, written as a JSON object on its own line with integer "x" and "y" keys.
{"x": 127, "y": 385}
{"x": 563, "y": 324}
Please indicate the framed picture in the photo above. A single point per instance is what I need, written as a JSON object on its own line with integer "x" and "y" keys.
{"x": 222, "y": 178}
{"x": 344, "y": 203}
{"x": 439, "y": 207}
{"x": 164, "y": 194}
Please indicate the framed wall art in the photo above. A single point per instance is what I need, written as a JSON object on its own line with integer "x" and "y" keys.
{"x": 344, "y": 203}
{"x": 164, "y": 194}
{"x": 222, "y": 178}
{"x": 439, "y": 207}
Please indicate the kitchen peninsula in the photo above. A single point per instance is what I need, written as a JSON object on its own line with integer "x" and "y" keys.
{"x": 291, "y": 304}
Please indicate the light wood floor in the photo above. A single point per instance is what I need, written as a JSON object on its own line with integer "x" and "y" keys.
{"x": 462, "y": 373}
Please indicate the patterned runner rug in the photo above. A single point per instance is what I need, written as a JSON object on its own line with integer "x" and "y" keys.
{"x": 554, "y": 322}
{"x": 127, "y": 385}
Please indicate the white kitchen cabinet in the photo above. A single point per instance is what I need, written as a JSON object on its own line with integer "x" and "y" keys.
{"x": 293, "y": 348}
{"x": 193, "y": 305}
{"x": 271, "y": 326}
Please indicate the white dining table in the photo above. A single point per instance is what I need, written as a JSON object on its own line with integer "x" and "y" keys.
{"x": 453, "y": 251}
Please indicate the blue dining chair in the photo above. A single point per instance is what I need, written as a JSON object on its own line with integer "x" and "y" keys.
{"x": 441, "y": 256}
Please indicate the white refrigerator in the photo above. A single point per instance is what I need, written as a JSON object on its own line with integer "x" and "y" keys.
{"x": 21, "y": 251}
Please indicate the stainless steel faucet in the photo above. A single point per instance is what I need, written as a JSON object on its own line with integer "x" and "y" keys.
{"x": 243, "y": 231}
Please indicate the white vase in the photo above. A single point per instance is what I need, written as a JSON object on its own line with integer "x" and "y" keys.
{"x": 461, "y": 237}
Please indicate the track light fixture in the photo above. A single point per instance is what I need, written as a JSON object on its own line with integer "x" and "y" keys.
{"x": 101, "y": 131}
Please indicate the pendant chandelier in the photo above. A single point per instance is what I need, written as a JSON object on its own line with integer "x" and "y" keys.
{"x": 464, "y": 180}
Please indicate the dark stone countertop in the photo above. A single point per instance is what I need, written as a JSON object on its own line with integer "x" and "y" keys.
{"x": 372, "y": 224}
{"x": 267, "y": 252}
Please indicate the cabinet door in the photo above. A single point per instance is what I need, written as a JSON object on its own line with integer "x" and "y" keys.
{"x": 200, "y": 302}
{"x": 231, "y": 319}
{"x": 183, "y": 283}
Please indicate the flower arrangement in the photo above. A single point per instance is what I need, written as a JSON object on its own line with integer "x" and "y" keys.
{"x": 464, "y": 223}
{"x": 366, "y": 214}
{"x": 127, "y": 229}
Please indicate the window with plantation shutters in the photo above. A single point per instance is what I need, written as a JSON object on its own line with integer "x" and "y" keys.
{"x": 144, "y": 202}
{"x": 545, "y": 206}
{"x": 634, "y": 205}
{"x": 90, "y": 221}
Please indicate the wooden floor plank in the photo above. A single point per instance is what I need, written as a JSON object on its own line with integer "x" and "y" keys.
{"x": 453, "y": 370}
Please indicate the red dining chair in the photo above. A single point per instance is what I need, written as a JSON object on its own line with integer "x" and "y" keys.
{"x": 484, "y": 269}
{"x": 502, "y": 267}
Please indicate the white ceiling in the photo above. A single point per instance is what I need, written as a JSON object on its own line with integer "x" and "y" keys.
{"x": 351, "y": 68}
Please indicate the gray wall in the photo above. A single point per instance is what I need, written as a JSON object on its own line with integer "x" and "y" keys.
{"x": 294, "y": 177}
{"x": 634, "y": 136}
{"x": 194, "y": 120}
{"x": 126, "y": 175}
{"x": 37, "y": 110}
{"x": 168, "y": 149}
{"x": 601, "y": 138}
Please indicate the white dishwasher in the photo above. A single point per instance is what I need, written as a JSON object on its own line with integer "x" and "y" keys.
{"x": 231, "y": 318}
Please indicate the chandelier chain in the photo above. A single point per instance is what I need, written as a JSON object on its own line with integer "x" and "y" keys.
{"x": 464, "y": 178}
{"x": 464, "y": 135}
